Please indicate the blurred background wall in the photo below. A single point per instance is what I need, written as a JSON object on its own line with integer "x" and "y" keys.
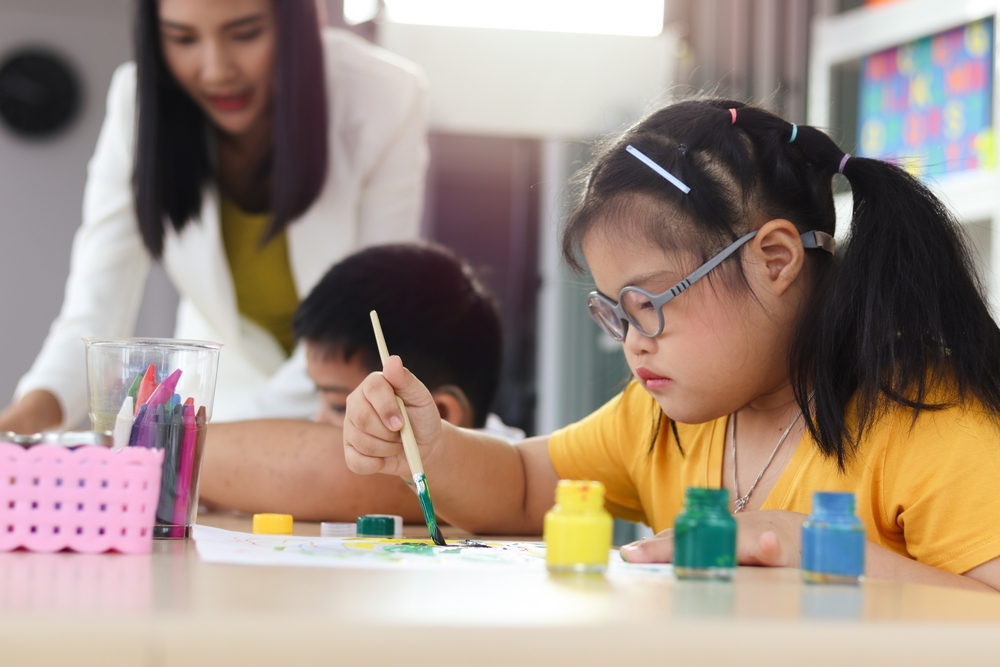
{"x": 514, "y": 113}
{"x": 41, "y": 179}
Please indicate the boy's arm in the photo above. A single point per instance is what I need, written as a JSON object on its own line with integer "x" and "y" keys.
{"x": 477, "y": 482}
{"x": 295, "y": 467}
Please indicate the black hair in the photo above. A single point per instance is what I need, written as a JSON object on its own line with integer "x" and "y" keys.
{"x": 895, "y": 314}
{"x": 435, "y": 314}
{"x": 171, "y": 157}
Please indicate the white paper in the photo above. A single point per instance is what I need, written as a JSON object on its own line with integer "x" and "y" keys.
{"x": 215, "y": 545}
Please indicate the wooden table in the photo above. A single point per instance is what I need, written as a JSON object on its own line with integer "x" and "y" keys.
{"x": 171, "y": 609}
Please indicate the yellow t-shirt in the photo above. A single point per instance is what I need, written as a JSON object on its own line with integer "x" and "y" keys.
{"x": 930, "y": 492}
{"x": 265, "y": 288}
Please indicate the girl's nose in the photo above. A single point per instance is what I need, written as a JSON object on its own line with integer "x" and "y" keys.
{"x": 637, "y": 344}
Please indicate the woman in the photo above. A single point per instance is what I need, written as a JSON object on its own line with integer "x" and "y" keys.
{"x": 247, "y": 151}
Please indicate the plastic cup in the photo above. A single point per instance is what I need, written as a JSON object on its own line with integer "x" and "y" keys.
{"x": 173, "y": 417}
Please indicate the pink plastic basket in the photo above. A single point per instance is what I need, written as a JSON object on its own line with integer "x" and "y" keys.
{"x": 88, "y": 499}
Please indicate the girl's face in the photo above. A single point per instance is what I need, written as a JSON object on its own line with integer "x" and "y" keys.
{"x": 719, "y": 349}
{"x": 221, "y": 52}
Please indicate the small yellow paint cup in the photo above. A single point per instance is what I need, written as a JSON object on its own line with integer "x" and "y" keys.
{"x": 272, "y": 524}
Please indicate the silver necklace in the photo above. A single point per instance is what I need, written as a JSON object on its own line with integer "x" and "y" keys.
{"x": 741, "y": 501}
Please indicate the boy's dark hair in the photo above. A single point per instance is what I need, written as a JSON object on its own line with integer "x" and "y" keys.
{"x": 897, "y": 311}
{"x": 171, "y": 156}
{"x": 435, "y": 314}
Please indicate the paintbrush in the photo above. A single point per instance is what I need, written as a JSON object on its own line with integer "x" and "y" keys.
{"x": 410, "y": 449}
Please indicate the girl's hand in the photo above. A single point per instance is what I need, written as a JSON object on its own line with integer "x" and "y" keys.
{"x": 767, "y": 537}
{"x": 373, "y": 420}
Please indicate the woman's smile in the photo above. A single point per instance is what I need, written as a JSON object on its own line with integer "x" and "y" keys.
{"x": 230, "y": 103}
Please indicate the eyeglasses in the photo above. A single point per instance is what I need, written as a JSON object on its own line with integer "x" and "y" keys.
{"x": 644, "y": 310}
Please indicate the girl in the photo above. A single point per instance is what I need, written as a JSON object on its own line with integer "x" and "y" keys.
{"x": 247, "y": 150}
{"x": 765, "y": 360}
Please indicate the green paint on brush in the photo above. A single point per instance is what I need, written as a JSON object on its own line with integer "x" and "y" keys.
{"x": 424, "y": 495}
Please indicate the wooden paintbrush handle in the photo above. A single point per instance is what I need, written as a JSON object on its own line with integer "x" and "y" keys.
{"x": 410, "y": 443}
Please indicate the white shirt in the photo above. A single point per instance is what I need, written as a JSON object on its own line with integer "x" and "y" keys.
{"x": 377, "y": 106}
{"x": 495, "y": 427}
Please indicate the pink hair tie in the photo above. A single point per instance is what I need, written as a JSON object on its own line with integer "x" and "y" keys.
{"x": 732, "y": 112}
{"x": 843, "y": 161}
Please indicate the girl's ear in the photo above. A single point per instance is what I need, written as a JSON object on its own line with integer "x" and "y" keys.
{"x": 779, "y": 253}
{"x": 453, "y": 405}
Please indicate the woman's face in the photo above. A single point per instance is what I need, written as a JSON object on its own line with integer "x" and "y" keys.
{"x": 221, "y": 52}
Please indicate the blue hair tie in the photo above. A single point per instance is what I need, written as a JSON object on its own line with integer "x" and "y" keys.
{"x": 795, "y": 132}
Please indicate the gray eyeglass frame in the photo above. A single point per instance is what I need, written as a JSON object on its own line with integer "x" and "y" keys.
{"x": 810, "y": 239}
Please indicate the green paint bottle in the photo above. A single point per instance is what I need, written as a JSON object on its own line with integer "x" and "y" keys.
{"x": 705, "y": 536}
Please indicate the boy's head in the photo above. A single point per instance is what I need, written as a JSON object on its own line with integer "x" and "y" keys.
{"x": 435, "y": 314}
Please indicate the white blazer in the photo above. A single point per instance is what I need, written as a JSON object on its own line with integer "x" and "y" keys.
{"x": 373, "y": 194}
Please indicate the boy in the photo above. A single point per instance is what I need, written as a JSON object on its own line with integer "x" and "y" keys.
{"x": 435, "y": 315}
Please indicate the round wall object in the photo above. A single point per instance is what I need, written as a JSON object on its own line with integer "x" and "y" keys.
{"x": 39, "y": 93}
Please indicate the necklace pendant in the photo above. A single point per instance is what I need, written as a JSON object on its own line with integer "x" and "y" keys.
{"x": 741, "y": 502}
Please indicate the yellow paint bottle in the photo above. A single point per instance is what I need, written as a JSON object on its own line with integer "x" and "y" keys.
{"x": 578, "y": 529}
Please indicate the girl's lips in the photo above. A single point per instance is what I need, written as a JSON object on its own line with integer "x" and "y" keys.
{"x": 230, "y": 103}
{"x": 651, "y": 380}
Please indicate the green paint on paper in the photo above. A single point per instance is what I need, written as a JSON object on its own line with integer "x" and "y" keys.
{"x": 420, "y": 549}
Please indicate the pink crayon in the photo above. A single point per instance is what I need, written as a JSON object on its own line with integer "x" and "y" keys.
{"x": 186, "y": 465}
{"x": 163, "y": 393}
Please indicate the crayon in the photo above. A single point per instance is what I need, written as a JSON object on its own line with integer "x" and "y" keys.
{"x": 201, "y": 431}
{"x": 173, "y": 429}
{"x": 133, "y": 390}
{"x": 147, "y": 427}
{"x": 161, "y": 395}
{"x": 133, "y": 440}
{"x": 123, "y": 425}
{"x": 146, "y": 387}
{"x": 160, "y": 422}
{"x": 186, "y": 464}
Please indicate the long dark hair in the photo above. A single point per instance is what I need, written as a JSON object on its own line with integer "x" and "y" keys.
{"x": 171, "y": 157}
{"x": 895, "y": 314}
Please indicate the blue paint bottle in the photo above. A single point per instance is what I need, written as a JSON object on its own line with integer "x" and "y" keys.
{"x": 833, "y": 541}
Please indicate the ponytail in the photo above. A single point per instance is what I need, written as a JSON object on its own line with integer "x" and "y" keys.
{"x": 897, "y": 317}
{"x": 901, "y": 315}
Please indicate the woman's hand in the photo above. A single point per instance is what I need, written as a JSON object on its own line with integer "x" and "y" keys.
{"x": 37, "y": 411}
{"x": 767, "y": 537}
{"x": 373, "y": 421}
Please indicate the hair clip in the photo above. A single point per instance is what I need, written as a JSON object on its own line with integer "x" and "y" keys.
{"x": 843, "y": 161}
{"x": 795, "y": 132}
{"x": 659, "y": 170}
{"x": 732, "y": 112}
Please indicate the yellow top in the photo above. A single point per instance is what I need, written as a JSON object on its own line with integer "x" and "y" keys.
{"x": 929, "y": 493}
{"x": 265, "y": 288}
{"x": 273, "y": 524}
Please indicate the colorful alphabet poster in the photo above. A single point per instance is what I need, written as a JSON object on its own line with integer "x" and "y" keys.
{"x": 927, "y": 105}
